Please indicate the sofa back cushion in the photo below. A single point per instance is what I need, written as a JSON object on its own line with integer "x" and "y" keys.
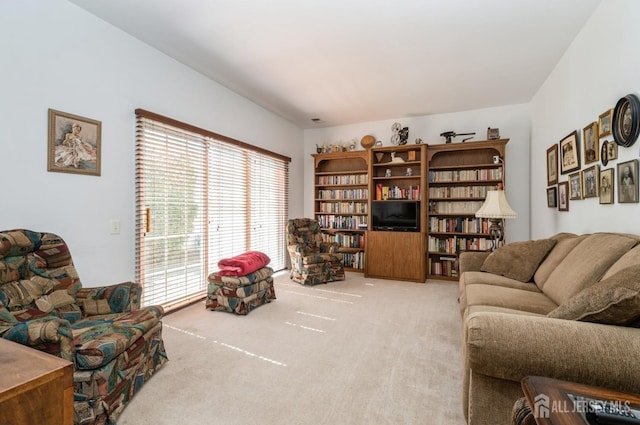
{"x": 518, "y": 260}
{"x": 629, "y": 259}
{"x": 565, "y": 242}
{"x": 586, "y": 264}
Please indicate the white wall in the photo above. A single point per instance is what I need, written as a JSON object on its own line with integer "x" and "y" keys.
{"x": 56, "y": 55}
{"x": 601, "y": 66}
{"x": 513, "y": 122}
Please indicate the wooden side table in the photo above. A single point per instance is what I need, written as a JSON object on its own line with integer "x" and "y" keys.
{"x": 559, "y": 408}
{"x": 35, "y": 387}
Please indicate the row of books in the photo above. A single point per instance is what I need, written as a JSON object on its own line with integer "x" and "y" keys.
{"x": 342, "y": 222}
{"x": 443, "y": 266}
{"x": 459, "y": 225}
{"x": 466, "y": 175}
{"x": 455, "y": 244}
{"x": 395, "y": 192}
{"x": 460, "y": 191}
{"x": 344, "y": 194}
{"x": 354, "y": 261}
{"x": 343, "y": 207}
{"x": 347, "y": 179}
{"x": 346, "y": 240}
{"x": 454, "y": 207}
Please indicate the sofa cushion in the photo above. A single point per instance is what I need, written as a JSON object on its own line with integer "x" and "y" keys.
{"x": 612, "y": 301}
{"x": 518, "y": 260}
{"x": 515, "y": 299}
{"x": 565, "y": 243}
{"x": 629, "y": 259}
{"x": 474, "y": 277}
{"x": 586, "y": 264}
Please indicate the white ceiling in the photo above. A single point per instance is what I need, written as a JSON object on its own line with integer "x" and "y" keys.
{"x": 350, "y": 61}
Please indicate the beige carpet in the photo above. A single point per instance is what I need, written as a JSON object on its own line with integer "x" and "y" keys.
{"x": 360, "y": 351}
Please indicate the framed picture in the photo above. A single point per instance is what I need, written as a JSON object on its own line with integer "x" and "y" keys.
{"x": 628, "y": 182}
{"x": 575, "y": 186}
{"x": 612, "y": 150}
{"x": 625, "y": 124}
{"x": 604, "y": 153}
{"x": 590, "y": 141}
{"x": 569, "y": 153}
{"x": 563, "y": 196}
{"x": 552, "y": 197}
{"x": 74, "y": 144}
{"x": 604, "y": 123}
{"x": 552, "y": 165}
{"x": 606, "y": 186}
{"x": 590, "y": 179}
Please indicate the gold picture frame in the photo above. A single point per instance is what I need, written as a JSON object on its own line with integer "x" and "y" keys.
{"x": 74, "y": 144}
{"x": 607, "y": 184}
{"x": 591, "y": 143}
{"x": 590, "y": 181}
{"x": 575, "y": 186}
{"x": 604, "y": 123}
{"x": 563, "y": 196}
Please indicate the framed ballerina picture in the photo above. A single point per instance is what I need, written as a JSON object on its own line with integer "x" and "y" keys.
{"x": 74, "y": 144}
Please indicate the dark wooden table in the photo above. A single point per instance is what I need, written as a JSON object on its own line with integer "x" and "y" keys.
{"x": 553, "y": 394}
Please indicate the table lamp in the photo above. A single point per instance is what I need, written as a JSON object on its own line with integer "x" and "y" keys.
{"x": 496, "y": 208}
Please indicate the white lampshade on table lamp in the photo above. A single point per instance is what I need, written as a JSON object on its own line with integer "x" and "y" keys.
{"x": 496, "y": 208}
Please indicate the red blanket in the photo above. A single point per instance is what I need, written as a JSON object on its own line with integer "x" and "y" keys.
{"x": 243, "y": 264}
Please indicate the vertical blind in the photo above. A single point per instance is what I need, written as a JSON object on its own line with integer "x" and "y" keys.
{"x": 201, "y": 197}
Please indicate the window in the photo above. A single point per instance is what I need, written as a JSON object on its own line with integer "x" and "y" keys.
{"x": 201, "y": 197}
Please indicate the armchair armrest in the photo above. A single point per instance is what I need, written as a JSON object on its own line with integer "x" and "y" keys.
{"x": 49, "y": 334}
{"x": 471, "y": 260}
{"x": 122, "y": 297}
{"x": 511, "y": 346}
{"x": 329, "y": 247}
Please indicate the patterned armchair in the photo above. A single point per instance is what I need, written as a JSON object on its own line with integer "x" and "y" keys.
{"x": 312, "y": 261}
{"x": 114, "y": 344}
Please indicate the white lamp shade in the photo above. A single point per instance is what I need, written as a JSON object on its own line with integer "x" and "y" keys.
{"x": 496, "y": 206}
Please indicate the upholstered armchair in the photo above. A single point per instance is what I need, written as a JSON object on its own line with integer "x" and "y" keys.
{"x": 312, "y": 260}
{"x": 114, "y": 344}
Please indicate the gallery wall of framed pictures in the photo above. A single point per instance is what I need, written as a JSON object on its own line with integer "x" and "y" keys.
{"x": 579, "y": 155}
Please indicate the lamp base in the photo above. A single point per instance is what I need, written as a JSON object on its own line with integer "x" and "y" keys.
{"x": 495, "y": 230}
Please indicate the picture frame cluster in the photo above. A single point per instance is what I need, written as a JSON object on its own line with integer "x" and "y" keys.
{"x": 595, "y": 145}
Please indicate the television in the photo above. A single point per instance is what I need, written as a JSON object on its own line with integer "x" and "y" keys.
{"x": 398, "y": 216}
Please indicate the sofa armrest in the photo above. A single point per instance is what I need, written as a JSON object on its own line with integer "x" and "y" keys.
{"x": 122, "y": 297}
{"x": 512, "y": 346}
{"x": 471, "y": 260}
{"x": 49, "y": 334}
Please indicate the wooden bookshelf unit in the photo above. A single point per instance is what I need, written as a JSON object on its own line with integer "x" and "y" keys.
{"x": 341, "y": 202}
{"x": 459, "y": 176}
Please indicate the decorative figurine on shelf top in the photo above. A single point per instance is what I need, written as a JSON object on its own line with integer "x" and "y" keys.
{"x": 404, "y": 135}
{"x": 395, "y": 133}
{"x": 395, "y": 158}
{"x": 418, "y": 141}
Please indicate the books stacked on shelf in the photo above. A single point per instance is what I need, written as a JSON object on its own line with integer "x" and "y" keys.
{"x": 454, "y": 244}
{"x": 466, "y": 175}
{"x": 350, "y": 240}
{"x": 343, "y": 194}
{"x": 459, "y": 225}
{"x": 411, "y": 193}
{"x": 460, "y": 191}
{"x": 342, "y": 180}
{"x": 455, "y": 207}
{"x": 443, "y": 266}
{"x": 343, "y": 207}
{"x": 342, "y": 222}
{"x": 353, "y": 260}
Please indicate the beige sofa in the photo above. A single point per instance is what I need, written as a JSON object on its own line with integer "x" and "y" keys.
{"x": 566, "y": 307}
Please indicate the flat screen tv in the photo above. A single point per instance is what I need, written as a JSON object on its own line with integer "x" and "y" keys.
{"x": 400, "y": 216}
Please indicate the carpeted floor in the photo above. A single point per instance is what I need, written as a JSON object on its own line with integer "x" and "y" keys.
{"x": 359, "y": 351}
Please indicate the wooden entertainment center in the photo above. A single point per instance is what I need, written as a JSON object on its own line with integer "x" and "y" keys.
{"x": 356, "y": 192}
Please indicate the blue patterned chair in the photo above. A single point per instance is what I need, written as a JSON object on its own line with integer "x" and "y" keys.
{"x": 114, "y": 344}
{"x": 312, "y": 261}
